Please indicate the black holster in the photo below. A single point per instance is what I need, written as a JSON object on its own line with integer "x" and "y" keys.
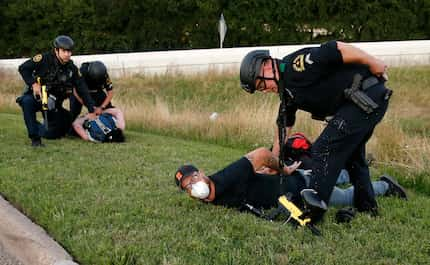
{"x": 356, "y": 95}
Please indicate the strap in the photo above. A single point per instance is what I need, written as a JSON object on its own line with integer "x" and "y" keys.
{"x": 104, "y": 128}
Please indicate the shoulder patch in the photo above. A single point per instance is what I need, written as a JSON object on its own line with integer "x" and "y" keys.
{"x": 299, "y": 63}
{"x": 37, "y": 58}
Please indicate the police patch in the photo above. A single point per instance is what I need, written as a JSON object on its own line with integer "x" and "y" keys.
{"x": 299, "y": 63}
{"x": 37, "y": 58}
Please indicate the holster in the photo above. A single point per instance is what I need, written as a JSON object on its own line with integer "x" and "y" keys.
{"x": 356, "y": 94}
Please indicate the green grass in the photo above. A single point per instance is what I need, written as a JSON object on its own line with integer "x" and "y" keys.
{"x": 180, "y": 106}
{"x": 117, "y": 204}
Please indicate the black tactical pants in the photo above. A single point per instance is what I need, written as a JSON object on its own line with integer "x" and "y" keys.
{"x": 59, "y": 120}
{"x": 342, "y": 145}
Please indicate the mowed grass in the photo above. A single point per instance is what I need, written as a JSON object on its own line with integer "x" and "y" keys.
{"x": 117, "y": 204}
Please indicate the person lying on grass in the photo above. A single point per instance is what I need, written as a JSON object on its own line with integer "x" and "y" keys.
{"x": 107, "y": 127}
{"x": 246, "y": 181}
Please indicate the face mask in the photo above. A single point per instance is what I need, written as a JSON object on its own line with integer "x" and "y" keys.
{"x": 200, "y": 190}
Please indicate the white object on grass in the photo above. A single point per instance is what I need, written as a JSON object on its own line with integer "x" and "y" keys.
{"x": 213, "y": 116}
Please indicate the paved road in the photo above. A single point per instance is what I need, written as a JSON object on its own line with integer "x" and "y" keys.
{"x": 6, "y": 259}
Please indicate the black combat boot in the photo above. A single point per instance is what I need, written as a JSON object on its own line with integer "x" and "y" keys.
{"x": 36, "y": 142}
{"x": 314, "y": 206}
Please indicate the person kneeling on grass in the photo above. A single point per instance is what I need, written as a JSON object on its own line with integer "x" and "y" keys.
{"x": 107, "y": 127}
{"x": 245, "y": 182}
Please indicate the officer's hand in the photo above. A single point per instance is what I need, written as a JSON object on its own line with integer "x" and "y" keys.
{"x": 98, "y": 110}
{"x": 379, "y": 68}
{"x": 91, "y": 116}
{"x": 36, "y": 90}
{"x": 290, "y": 169}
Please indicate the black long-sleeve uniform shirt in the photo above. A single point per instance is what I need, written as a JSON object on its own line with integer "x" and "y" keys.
{"x": 50, "y": 70}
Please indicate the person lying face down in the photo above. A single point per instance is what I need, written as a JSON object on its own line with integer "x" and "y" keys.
{"x": 107, "y": 127}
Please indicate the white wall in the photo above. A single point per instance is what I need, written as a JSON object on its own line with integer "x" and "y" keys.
{"x": 399, "y": 53}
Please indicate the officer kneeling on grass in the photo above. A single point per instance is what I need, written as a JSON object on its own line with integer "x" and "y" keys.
{"x": 99, "y": 85}
{"x": 107, "y": 127}
{"x": 50, "y": 78}
{"x": 335, "y": 79}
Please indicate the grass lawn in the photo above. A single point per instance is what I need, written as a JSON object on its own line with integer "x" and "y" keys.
{"x": 117, "y": 204}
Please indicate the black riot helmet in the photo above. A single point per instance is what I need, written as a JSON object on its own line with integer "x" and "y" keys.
{"x": 64, "y": 42}
{"x": 97, "y": 72}
{"x": 250, "y": 68}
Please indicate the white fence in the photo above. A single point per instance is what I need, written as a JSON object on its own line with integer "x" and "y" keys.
{"x": 396, "y": 53}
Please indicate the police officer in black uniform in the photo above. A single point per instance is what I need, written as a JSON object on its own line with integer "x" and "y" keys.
{"x": 57, "y": 72}
{"x": 99, "y": 84}
{"x": 335, "y": 79}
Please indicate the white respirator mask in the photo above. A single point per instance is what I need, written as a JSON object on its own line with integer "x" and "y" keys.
{"x": 200, "y": 190}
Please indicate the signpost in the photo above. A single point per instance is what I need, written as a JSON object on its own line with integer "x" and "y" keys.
{"x": 222, "y": 29}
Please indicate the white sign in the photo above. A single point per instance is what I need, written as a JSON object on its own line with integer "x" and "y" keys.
{"x": 222, "y": 29}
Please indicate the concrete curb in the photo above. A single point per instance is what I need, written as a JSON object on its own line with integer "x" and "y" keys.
{"x": 28, "y": 242}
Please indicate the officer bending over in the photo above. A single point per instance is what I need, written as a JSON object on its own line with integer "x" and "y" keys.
{"x": 335, "y": 79}
{"x": 99, "y": 85}
{"x": 56, "y": 72}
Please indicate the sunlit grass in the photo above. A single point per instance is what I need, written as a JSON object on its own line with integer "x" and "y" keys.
{"x": 117, "y": 204}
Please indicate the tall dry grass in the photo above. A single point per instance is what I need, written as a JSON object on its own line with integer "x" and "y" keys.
{"x": 179, "y": 105}
{"x": 10, "y": 87}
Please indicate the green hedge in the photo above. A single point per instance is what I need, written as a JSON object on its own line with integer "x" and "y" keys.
{"x": 105, "y": 26}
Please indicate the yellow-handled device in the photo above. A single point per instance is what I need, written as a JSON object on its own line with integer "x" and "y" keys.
{"x": 44, "y": 97}
{"x": 297, "y": 214}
